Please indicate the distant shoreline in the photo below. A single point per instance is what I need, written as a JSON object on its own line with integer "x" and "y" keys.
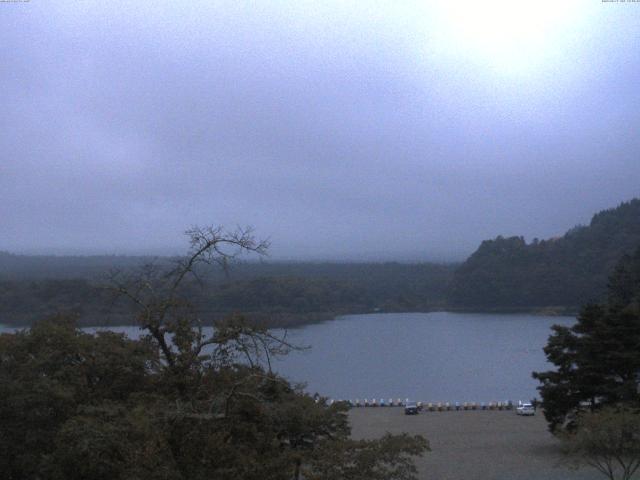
{"x": 292, "y": 321}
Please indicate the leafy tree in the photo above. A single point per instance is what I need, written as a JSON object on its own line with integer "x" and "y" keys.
{"x": 597, "y": 360}
{"x": 176, "y": 404}
{"x": 390, "y": 457}
{"x": 607, "y": 440}
{"x": 50, "y": 372}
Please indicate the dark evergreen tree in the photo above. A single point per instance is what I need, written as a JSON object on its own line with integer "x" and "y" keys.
{"x": 598, "y": 359}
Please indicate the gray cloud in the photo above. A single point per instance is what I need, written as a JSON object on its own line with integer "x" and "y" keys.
{"x": 338, "y": 131}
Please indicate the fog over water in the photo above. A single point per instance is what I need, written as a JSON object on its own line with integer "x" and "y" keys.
{"x": 340, "y": 130}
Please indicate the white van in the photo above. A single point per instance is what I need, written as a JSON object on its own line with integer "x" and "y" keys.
{"x": 525, "y": 409}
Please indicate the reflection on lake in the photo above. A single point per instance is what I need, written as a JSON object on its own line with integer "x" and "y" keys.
{"x": 426, "y": 356}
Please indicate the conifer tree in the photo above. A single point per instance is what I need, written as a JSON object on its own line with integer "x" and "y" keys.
{"x": 598, "y": 359}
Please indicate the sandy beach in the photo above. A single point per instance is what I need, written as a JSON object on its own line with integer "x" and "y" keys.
{"x": 475, "y": 445}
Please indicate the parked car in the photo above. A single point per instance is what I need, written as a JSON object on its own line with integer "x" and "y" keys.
{"x": 525, "y": 409}
{"x": 411, "y": 408}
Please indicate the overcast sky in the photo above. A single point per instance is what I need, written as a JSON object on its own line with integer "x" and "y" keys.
{"x": 340, "y": 130}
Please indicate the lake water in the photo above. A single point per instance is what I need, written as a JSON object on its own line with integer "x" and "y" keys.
{"x": 424, "y": 356}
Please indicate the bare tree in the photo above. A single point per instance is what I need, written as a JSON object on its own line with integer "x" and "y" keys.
{"x": 170, "y": 319}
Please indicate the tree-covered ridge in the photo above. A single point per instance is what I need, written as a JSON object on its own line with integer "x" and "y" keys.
{"x": 561, "y": 272}
{"x": 281, "y": 294}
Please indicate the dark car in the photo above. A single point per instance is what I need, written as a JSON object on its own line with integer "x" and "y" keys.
{"x": 411, "y": 408}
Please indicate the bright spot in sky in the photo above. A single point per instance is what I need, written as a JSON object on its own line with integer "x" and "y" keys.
{"x": 512, "y": 36}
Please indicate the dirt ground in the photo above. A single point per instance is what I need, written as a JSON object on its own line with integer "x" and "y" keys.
{"x": 475, "y": 445}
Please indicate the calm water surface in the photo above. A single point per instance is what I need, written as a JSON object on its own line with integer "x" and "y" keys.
{"x": 425, "y": 356}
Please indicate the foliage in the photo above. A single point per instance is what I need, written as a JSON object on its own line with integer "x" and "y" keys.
{"x": 607, "y": 440}
{"x": 597, "y": 360}
{"x": 560, "y": 272}
{"x": 391, "y": 457}
{"x": 176, "y": 404}
{"x": 48, "y": 373}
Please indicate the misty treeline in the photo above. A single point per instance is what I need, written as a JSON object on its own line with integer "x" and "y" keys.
{"x": 506, "y": 274}
{"x": 279, "y": 294}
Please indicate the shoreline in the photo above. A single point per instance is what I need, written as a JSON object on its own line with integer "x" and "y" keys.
{"x": 294, "y": 321}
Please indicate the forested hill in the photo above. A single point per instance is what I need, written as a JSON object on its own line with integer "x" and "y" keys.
{"x": 280, "y": 293}
{"x": 505, "y": 274}
{"x": 560, "y": 273}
